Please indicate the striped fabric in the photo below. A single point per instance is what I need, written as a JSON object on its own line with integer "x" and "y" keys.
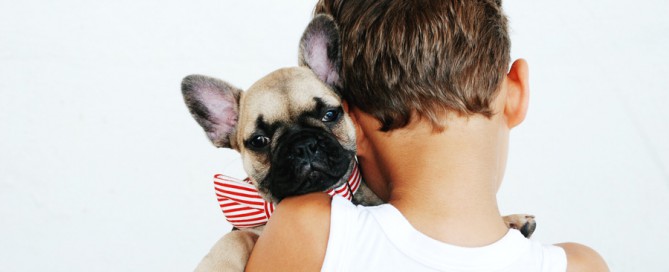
{"x": 243, "y": 206}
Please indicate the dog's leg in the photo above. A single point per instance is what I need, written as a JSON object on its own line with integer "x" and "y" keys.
{"x": 231, "y": 252}
{"x": 364, "y": 196}
{"x": 523, "y": 222}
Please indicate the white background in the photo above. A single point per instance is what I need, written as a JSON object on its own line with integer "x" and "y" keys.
{"x": 103, "y": 169}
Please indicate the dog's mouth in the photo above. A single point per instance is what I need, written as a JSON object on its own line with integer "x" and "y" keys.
{"x": 305, "y": 161}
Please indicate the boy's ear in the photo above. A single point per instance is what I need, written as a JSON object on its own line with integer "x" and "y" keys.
{"x": 320, "y": 49}
{"x": 517, "y": 93}
{"x": 215, "y": 106}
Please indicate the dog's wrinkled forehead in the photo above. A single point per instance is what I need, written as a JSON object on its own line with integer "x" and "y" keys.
{"x": 282, "y": 96}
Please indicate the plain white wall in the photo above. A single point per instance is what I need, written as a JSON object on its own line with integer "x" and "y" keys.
{"x": 103, "y": 169}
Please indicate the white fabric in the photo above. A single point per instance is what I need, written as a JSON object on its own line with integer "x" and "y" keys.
{"x": 381, "y": 239}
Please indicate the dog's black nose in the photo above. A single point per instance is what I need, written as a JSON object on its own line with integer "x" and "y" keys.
{"x": 306, "y": 150}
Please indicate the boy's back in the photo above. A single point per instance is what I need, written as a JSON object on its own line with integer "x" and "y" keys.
{"x": 381, "y": 239}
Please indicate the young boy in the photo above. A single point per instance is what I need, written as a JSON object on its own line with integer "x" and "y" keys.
{"x": 429, "y": 89}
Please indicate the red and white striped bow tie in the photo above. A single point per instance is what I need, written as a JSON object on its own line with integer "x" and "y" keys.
{"x": 243, "y": 206}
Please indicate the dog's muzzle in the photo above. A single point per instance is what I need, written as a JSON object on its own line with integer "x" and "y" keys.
{"x": 305, "y": 161}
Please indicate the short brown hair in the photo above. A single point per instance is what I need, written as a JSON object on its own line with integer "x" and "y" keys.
{"x": 420, "y": 56}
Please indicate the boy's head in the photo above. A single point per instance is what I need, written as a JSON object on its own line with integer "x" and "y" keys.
{"x": 420, "y": 57}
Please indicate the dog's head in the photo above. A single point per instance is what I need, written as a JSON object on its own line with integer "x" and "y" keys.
{"x": 289, "y": 126}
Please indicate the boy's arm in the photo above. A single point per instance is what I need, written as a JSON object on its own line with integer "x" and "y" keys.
{"x": 582, "y": 258}
{"x": 296, "y": 237}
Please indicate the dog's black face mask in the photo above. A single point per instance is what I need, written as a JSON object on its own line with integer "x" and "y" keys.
{"x": 306, "y": 160}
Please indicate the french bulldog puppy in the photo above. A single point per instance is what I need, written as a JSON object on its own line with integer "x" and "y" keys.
{"x": 291, "y": 131}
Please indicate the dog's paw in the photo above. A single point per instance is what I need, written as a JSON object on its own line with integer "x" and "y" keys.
{"x": 523, "y": 222}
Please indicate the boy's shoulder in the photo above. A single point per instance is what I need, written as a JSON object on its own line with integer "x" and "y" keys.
{"x": 306, "y": 217}
{"x": 583, "y": 258}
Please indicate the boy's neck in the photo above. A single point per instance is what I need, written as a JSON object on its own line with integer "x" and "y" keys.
{"x": 445, "y": 183}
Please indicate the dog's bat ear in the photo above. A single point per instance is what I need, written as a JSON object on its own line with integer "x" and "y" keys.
{"x": 215, "y": 106}
{"x": 320, "y": 49}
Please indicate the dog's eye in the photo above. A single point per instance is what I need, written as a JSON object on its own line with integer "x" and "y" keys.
{"x": 331, "y": 116}
{"x": 259, "y": 141}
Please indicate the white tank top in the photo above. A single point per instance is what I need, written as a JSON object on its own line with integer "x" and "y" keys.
{"x": 381, "y": 239}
